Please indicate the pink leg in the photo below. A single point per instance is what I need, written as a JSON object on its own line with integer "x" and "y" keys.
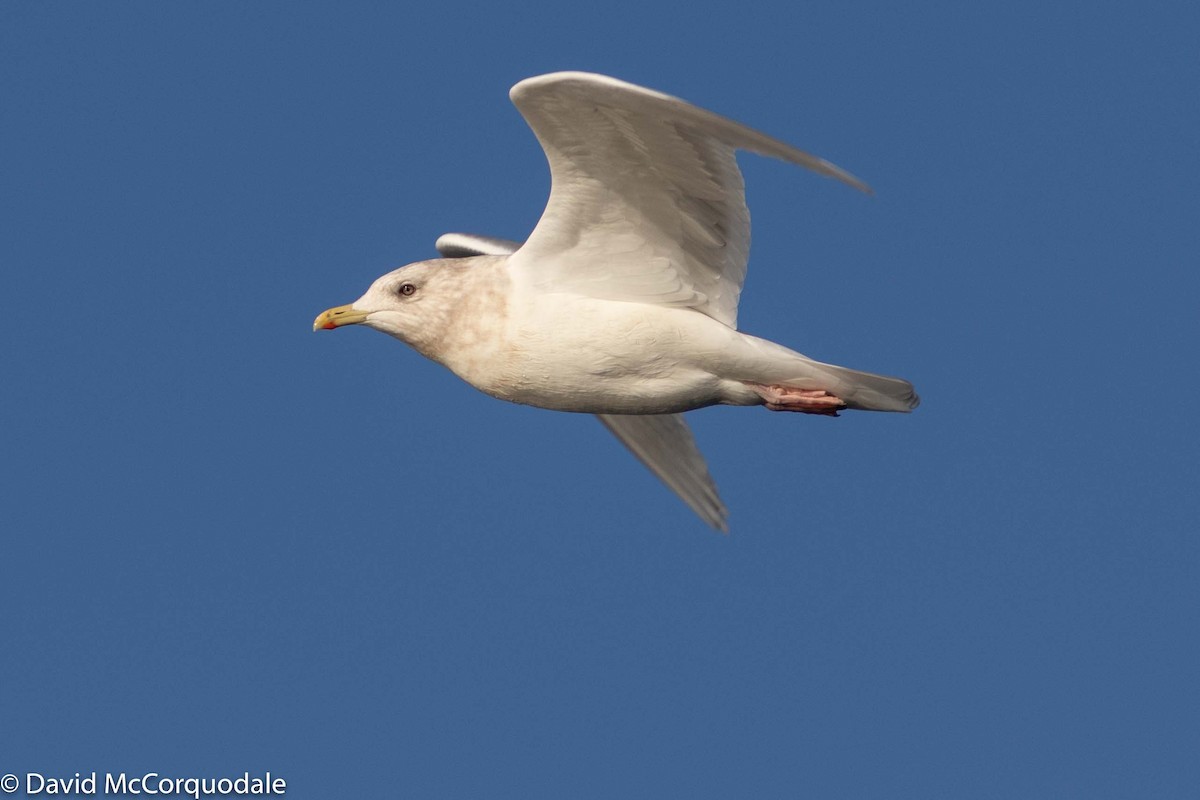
{"x": 806, "y": 401}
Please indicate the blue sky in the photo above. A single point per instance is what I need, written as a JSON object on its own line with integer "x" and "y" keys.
{"x": 233, "y": 545}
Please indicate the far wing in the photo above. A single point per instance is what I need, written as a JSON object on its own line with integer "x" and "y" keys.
{"x": 647, "y": 203}
{"x": 461, "y": 245}
{"x": 663, "y": 442}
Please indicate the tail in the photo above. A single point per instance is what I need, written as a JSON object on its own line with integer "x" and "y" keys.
{"x": 867, "y": 391}
{"x": 860, "y": 390}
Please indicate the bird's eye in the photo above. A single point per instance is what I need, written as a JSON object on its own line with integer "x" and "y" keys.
{"x": 407, "y": 289}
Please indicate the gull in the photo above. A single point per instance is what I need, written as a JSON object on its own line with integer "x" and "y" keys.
{"x": 623, "y": 300}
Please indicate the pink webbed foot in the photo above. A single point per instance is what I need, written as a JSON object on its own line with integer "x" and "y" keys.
{"x": 806, "y": 401}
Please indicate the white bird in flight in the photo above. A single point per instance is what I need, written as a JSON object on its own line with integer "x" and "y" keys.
{"x": 623, "y": 301}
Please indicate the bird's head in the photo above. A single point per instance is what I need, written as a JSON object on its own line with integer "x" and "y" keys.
{"x": 416, "y": 303}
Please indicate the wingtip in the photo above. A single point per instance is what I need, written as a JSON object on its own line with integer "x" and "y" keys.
{"x": 714, "y": 513}
{"x": 848, "y": 178}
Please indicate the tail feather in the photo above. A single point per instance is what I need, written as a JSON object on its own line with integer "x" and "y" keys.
{"x": 861, "y": 390}
{"x": 867, "y": 391}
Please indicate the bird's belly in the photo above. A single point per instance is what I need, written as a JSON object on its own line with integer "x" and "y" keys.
{"x": 601, "y": 357}
{"x": 604, "y": 392}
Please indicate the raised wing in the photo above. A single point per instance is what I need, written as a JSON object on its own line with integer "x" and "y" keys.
{"x": 663, "y": 442}
{"x": 647, "y": 203}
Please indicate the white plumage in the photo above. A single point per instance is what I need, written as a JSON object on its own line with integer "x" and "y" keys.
{"x": 623, "y": 301}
